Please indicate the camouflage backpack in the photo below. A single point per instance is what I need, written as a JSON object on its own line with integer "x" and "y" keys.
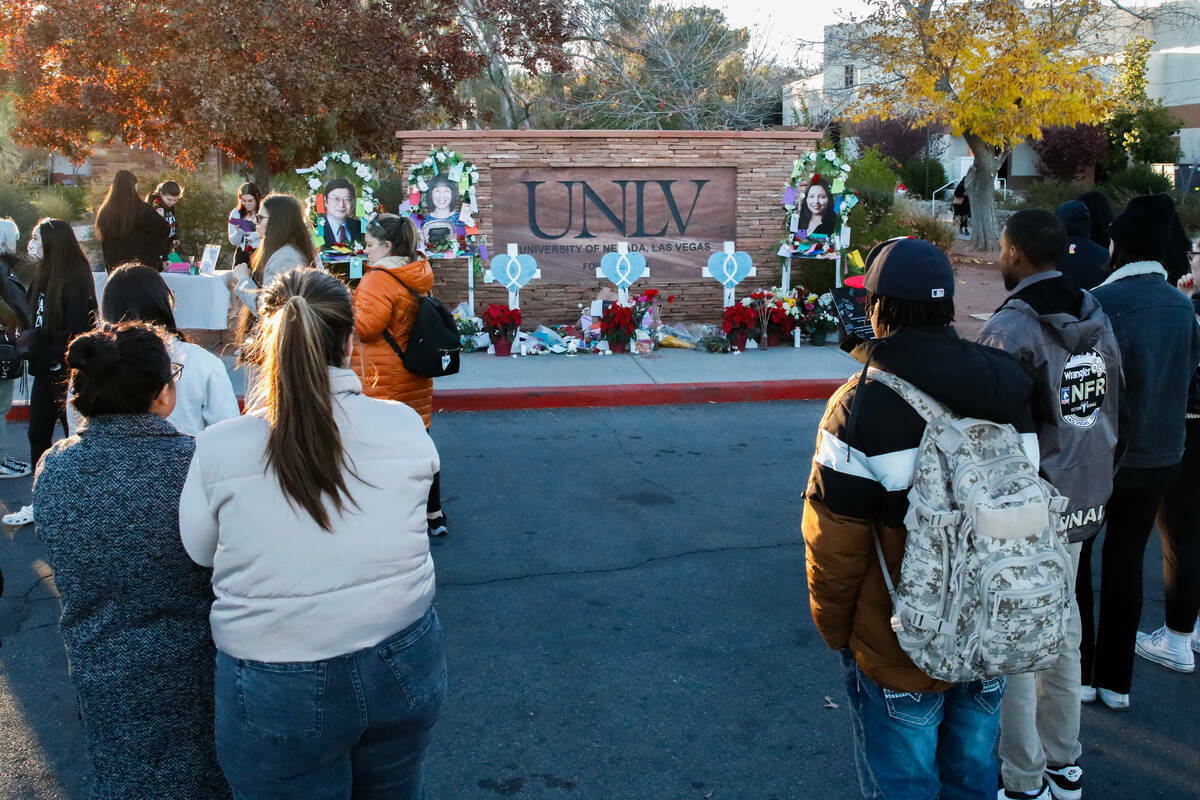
{"x": 985, "y": 583}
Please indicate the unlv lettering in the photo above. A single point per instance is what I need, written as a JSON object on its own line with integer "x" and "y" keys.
{"x": 590, "y": 199}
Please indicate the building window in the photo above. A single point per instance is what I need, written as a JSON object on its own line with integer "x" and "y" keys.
{"x": 849, "y": 75}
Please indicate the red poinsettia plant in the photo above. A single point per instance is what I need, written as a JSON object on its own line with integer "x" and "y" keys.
{"x": 501, "y": 322}
{"x": 738, "y": 319}
{"x": 616, "y": 326}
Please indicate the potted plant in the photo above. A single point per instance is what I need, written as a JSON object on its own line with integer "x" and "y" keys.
{"x": 783, "y": 315}
{"x": 616, "y": 327}
{"x": 739, "y": 322}
{"x": 501, "y": 323}
{"x": 468, "y": 329}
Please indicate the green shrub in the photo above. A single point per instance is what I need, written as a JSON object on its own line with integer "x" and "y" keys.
{"x": 1189, "y": 215}
{"x": 392, "y": 191}
{"x": 61, "y": 202}
{"x": 1049, "y": 195}
{"x": 202, "y": 213}
{"x": 15, "y": 202}
{"x": 1134, "y": 180}
{"x": 912, "y": 174}
{"x": 928, "y": 227}
{"x": 1011, "y": 202}
{"x": 874, "y": 178}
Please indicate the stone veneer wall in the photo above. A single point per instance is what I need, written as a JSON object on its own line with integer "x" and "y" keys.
{"x": 764, "y": 164}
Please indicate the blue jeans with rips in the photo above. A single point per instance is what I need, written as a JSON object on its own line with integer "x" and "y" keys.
{"x": 924, "y": 745}
{"x": 354, "y": 726}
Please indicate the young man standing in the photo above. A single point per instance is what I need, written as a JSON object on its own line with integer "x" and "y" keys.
{"x": 1067, "y": 343}
{"x": 914, "y": 736}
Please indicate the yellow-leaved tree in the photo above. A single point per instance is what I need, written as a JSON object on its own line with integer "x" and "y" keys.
{"x": 995, "y": 71}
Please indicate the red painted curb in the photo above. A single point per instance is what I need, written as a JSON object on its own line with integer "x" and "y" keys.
{"x": 638, "y": 394}
{"x": 641, "y": 394}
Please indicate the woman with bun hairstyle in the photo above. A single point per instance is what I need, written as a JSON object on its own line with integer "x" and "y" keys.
{"x": 130, "y": 229}
{"x": 243, "y": 228}
{"x": 204, "y": 394}
{"x": 310, "y": 509}
{"x": 62, "y": 299}
{"x": 386, "y": 300}
{"x": 134, "y": 607}
{"x": 163, "y": 200}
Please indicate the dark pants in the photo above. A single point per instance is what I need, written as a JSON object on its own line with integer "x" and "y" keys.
{"x": 1178, "y": 523}
{"x": 1130, "y": 517}
{"x": 434, "y": 504}
{"x": 47, "y": 405}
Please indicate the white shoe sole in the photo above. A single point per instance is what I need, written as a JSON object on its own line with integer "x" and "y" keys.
{"x": 1158, "y": 658}
{"x": 1059, "y": 793}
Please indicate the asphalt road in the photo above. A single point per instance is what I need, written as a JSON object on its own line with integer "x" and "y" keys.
{"x": 624, "y": 601}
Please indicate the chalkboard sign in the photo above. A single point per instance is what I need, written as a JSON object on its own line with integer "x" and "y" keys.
{"x": 851, "y": 305}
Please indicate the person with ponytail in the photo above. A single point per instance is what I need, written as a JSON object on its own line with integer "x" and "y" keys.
{"x": 386, "y": 302}
{"x": 134, "y": 606}
{"x": 128, "y": 228}
{"x": 310, "y": 509}
{"x": 62, "y": 299}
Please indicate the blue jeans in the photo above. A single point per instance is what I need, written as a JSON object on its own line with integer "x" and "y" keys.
{"x": 924, "y": 745}
{"x": 352, "y": 726}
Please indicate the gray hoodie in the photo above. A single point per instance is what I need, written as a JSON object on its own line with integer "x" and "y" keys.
{"x": 1067, "y": 343}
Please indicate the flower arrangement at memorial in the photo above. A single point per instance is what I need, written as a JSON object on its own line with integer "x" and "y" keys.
{"x": 646, "y": 309}
{"x": 449, "y": 231}
{"x": 366, "y": 206}
{"x": 822, "y": 319}
{"x": 739, "y": 322}
{"x": 830, "y": 170}
{"x": 501, "y": 322}
{"x": 617, "y": 326}
{"x": 785, "y": 312}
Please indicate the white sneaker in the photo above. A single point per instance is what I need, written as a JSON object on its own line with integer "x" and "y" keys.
{"x": 1066, "y": 782}
{"x": 1114, "y": 700}
{"x": 1087, "y": 694}
{"x": 1195, "y": 637}
{"x": 8, "y": 470}
{"x": 1167, "y": 648}
{"x": 19, "y": 518}
{"x": 1040, "y": 794}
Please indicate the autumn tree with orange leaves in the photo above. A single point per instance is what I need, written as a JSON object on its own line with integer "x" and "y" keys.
{"x": 997, "y": 72}
{"x": 265, "y": 82}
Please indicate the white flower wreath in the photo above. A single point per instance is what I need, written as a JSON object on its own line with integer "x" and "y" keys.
{"x": 831, "y": 167}
{"x": 444, "y": 162}
{"x": 369, "y": 182}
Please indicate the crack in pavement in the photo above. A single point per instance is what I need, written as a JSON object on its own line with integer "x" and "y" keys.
{"x": 626, "y": 568}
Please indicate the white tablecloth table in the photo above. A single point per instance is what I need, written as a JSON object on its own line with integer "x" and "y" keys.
{"x": 201, "y": 301}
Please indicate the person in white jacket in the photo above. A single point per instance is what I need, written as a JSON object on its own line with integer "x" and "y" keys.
{"x": 310, "y": 510}
{"x": 205, "y": 395}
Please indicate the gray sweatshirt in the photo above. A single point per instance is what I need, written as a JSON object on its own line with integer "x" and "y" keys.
{"x": 1067, "y": 343}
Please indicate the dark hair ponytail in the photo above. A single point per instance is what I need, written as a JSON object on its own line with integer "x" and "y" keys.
{"x": 306, "y": 318}
{"x": 400, "y": 232}
{"x": 118, "y": 369}
{"x": 134, "y": 292}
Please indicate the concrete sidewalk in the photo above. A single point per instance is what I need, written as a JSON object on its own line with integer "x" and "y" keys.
{"x": 666, "y": 376}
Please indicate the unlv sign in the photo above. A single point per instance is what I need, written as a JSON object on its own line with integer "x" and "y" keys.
{"x": 567, "y": 217}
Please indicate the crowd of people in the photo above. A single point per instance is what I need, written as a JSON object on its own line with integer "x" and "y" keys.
{"x": 1092, "y": 358}
{"x": 322, "y": 682}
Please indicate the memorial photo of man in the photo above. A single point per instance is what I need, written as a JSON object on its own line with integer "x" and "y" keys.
{"x": 340, "y": 226}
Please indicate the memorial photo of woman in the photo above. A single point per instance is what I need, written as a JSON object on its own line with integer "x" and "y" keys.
{"x": 817, "y": 215}
{"x": 442, "y": 198}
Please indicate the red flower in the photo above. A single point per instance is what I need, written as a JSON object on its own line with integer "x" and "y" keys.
{"x": 671, "y": 299}
{"x": 651, "y": 294}
{"x": 737, "y": 317}
{"x": 816, "y": 177}
{"x": 617, "y": 323}
{"x": 500, "y": 320}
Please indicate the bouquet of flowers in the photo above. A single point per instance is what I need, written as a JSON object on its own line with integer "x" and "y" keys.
{"x": 617, "y": 326}
{"x": 501, "y": 322}
{"x": 823, "y": 319}
{"x": 739, "y": 320}
{"x": 785, "y": 313}
{"x": 645, "y": 309}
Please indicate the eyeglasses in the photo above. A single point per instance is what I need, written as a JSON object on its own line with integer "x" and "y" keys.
{"x": 176, "y": 371}
{"x": 260, "y": 218}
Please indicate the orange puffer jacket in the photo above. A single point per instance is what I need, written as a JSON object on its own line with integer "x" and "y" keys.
{"x": 381, "y": 303}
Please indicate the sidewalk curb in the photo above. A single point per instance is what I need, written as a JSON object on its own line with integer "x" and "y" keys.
{"x": 636, "y": 394}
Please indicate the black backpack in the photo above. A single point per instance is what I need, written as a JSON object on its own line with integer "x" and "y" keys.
{"x": 434, "y": 344}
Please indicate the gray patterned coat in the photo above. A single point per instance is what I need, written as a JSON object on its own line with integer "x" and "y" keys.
{"x": 134, "y": 607}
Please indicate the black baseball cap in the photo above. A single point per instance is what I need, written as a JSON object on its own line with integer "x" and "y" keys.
{"x": 909, "y": 269}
